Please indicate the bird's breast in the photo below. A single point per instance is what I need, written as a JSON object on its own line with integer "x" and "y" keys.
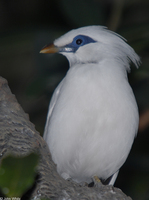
{"x": 93, "y": 121}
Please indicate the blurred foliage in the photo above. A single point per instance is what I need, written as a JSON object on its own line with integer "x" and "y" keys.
{"x": 17, "y": 175}
{"x": 26, "y": 26}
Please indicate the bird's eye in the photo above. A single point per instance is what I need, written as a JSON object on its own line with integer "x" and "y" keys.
{"x": 79, "y": 41}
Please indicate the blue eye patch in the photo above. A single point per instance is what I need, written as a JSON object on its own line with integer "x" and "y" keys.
{"x": 78, "y": 41}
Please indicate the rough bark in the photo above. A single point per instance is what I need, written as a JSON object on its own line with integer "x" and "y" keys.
{"x": 19, "y": 137}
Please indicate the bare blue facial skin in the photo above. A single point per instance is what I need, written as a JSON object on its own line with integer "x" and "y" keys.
{"x": 78, "y": 41}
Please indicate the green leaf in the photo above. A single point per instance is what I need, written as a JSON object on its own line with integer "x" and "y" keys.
{"x": 17, "y": 174}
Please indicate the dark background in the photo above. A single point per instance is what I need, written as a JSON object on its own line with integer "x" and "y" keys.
{"x": 26, "y": 26}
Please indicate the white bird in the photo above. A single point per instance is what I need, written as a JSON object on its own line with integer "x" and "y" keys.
{"x": 93, "y": 116}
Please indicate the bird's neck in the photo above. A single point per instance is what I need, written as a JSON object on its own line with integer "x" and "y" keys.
{"x": 113, "y": 68}
{"x": 108, "y": 68}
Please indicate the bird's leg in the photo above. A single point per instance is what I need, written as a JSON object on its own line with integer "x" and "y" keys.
{"x": 97, "y": 181}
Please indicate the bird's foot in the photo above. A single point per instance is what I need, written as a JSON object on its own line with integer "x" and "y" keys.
{"x": 97, "y": 182}
{"x": 81, "y": 184}
{"x": 68, "y": 178}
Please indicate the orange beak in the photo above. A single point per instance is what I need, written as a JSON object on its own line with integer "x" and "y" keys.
{"x": 50, "y": 48}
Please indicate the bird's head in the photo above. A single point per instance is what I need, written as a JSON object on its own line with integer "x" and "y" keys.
{"x": 92, "y": 44}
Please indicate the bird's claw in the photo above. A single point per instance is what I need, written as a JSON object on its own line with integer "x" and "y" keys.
{"x": 97, "y": 182}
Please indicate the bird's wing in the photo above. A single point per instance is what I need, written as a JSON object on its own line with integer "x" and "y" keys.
{"x": 51, "y": 106}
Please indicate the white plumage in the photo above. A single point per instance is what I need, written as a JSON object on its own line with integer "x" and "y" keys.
{"x": 93, "y": 115}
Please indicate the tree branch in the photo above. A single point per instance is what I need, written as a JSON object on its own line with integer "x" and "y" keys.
{"x": 19, "y": 137}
